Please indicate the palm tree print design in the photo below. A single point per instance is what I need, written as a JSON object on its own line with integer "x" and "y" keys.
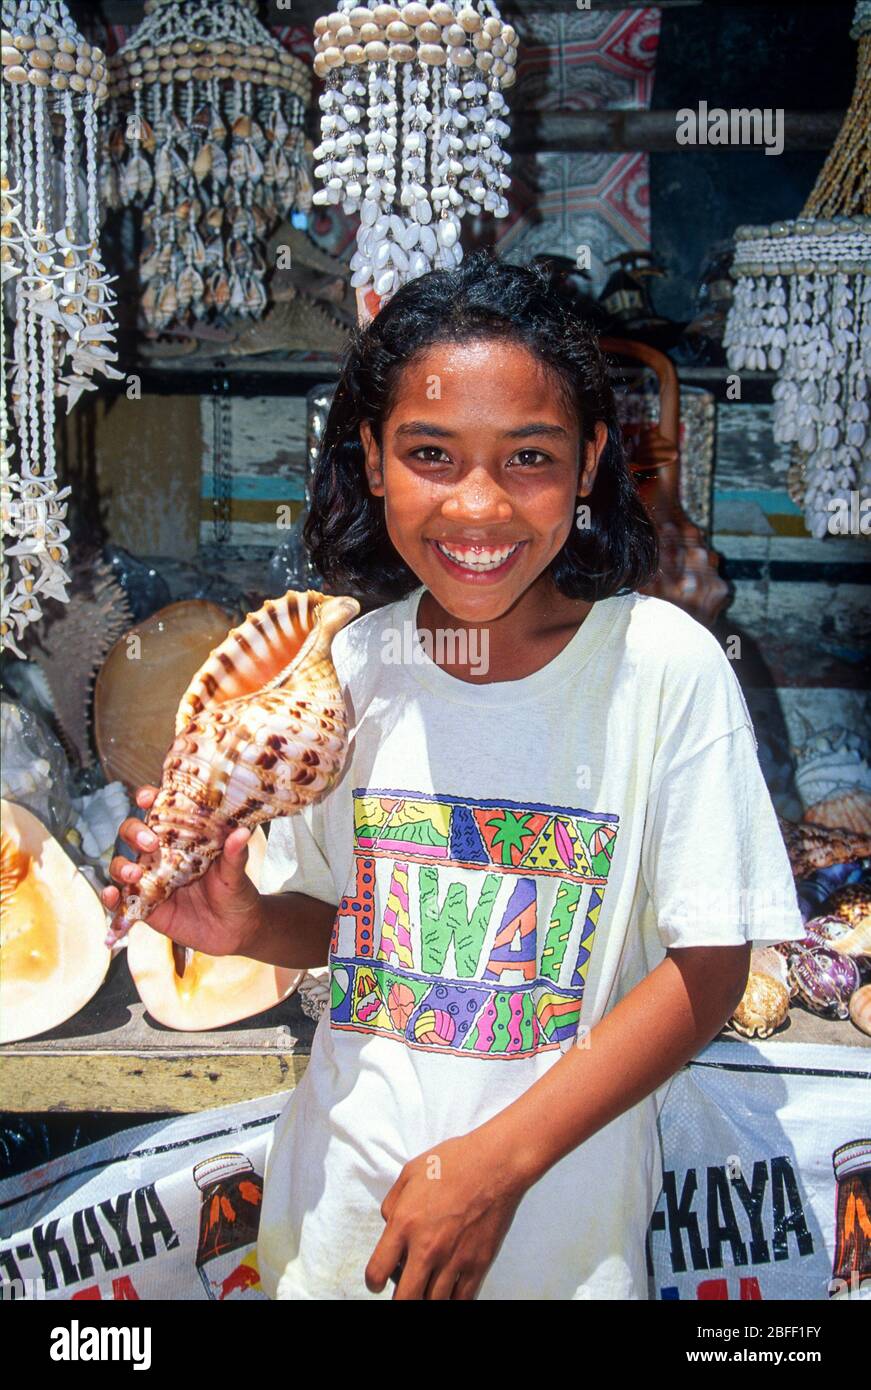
{"x": 512, "y": 835}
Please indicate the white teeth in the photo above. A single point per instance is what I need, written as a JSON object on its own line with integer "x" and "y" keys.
{"x": 478, "y": 559}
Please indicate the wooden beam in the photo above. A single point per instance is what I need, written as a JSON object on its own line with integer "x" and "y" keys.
{"x": 536, "y": 132}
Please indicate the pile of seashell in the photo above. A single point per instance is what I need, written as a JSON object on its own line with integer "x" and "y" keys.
{"x": 57, "y": 291}
{"x": 205, "y": 132}
{"x": 412, "y": 129}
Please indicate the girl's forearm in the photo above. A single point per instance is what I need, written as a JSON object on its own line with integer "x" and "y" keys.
{"x": 294, "y": 931}
{"x": 648, "y": 1036}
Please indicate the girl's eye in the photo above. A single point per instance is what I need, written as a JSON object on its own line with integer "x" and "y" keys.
{"x": 529, "y": 457}
{"x": 428, "y": 449}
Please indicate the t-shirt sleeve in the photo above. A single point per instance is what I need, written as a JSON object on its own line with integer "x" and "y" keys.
{"x": 296, "y": 857}
{"x": 713, "y": 858}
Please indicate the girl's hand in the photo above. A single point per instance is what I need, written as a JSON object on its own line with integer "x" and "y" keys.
{"x": 447, "y": 1215}
{"x": 218, "y": 914}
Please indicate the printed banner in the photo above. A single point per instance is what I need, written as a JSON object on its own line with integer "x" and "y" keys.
{"x": 168, "y": 1210}
{"x": 766, "y": 1193}
{"x": 766, "y": 1175}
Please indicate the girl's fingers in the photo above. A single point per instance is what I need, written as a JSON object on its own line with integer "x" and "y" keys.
{"x": 466, "y": 1287}
{"x": 387, "y": 1255}
{"x": 137, "y": 835}
{"x": 110, "y": 898}
{"x": 145, "y": 796}
{"x": 231, "y": 865}
{"x": 236, "y": 842}
{"x": 124, "y": 870}
{"x": 442, "y": 1283}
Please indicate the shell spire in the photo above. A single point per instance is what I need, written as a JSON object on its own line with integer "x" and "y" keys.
{"x": 260, "y": 732}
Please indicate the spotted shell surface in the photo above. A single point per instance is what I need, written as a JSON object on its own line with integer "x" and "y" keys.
{"x": 852, "y": 903}
{"x": 763, "y": 1008}
{"x": 260, "y": 732}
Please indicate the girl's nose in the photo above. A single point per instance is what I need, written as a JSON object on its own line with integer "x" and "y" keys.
{"x": 477, "y": 498}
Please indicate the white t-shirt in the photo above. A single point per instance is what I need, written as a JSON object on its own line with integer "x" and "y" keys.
{"x": 509, "y": 859}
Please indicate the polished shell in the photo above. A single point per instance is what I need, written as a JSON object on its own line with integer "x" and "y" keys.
{"x": 53, "y": 958}
{"x": 191, "y": 991}
{"x": 763, "y": 1008}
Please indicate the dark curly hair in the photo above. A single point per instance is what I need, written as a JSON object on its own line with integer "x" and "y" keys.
{"x": 483, "y": 297}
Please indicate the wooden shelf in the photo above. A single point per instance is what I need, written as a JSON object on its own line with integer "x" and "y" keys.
{"x": 112, "y": 1056}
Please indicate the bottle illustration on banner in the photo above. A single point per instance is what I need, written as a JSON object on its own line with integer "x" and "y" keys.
{"x": 851, "y": 1268}
{"x": 229, "y": 1220}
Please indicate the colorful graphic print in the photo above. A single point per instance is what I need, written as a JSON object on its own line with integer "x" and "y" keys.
{"x": 468, "y": 925}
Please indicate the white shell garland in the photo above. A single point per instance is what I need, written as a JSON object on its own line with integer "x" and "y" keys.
{"x": 802, "y": 308}
{"x": 412, "y": 129}
{"x": 205, "y": 132}
{"x": 60, "y": 301}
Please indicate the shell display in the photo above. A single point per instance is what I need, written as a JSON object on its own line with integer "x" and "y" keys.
{"x": 412, "y": 130}
{"x": 205, "y": 133}
{"x": 851, "y": 811}
{"x": 839, "y": 934}
{"x": 261, "y": 731}
{"x": 59, "y": 302}
{"x": 51, "y": 930}
{"x": 763, "y": 1008}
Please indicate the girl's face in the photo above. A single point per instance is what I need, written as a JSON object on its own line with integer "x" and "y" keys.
{"x": 483, "y": 467}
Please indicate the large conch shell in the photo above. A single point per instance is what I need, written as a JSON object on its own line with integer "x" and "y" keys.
{"x": 261, "y": 731}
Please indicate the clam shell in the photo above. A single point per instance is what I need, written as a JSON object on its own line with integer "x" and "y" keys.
{"x": 847, "y": 810}
{"x": 135, "y": 701}
{"x": 260, "y": 732}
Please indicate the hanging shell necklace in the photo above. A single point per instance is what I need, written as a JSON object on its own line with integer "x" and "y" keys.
{"x": 205, "y": 133}
{"x": 59, "y": 297}
{"x": 802, "y": 308}
{"x": 412, "y": 127}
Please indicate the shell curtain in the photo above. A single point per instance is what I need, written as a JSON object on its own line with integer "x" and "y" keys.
{"x": 802, "y": 308}
{"x": 412, "y": 131}
{"x": 56, "y": 293}
{"x": 205, "y": 134}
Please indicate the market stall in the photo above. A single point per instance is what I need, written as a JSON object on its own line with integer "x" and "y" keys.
{"x": 191, "y": 235}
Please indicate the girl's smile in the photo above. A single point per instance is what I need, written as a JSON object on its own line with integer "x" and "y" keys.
{"x": 477, "y": 563}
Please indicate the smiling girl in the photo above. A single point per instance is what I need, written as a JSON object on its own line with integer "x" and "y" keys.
{"x": 538, "y": 877}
